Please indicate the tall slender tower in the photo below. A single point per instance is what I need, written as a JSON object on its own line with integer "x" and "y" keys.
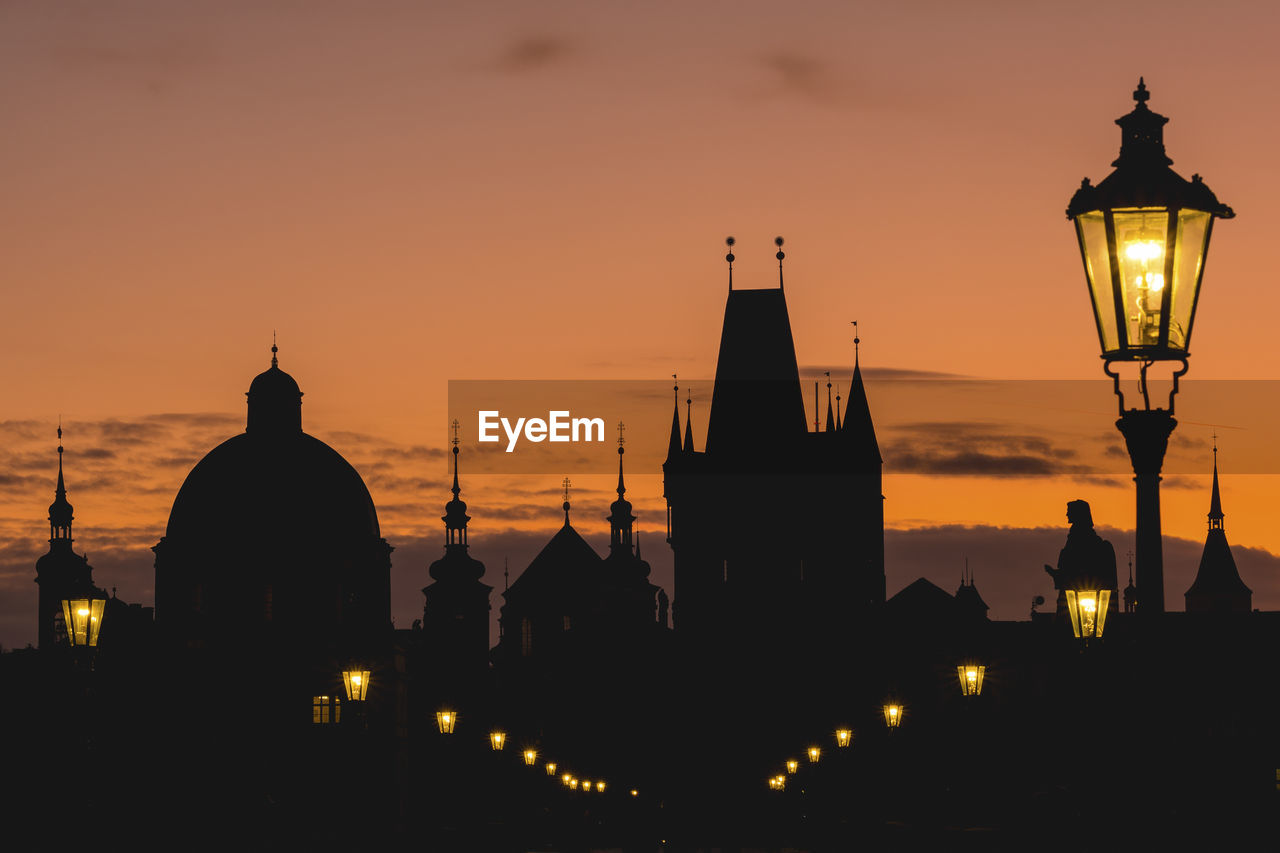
{"x": 61, "y": 573}
{"x": 1218, "y": 587}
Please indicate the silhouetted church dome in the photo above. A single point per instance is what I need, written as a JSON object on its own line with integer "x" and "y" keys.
{"x": 254, "y": 486}
{"x": 273, "y": 529}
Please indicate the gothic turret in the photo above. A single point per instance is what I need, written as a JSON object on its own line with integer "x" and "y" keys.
{"x": 61, "y": 573}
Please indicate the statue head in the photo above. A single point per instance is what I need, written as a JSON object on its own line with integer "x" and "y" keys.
{"x": 1078, "y": 513}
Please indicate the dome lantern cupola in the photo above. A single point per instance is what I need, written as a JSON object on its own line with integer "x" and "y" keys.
{"x": 275, "y": 401}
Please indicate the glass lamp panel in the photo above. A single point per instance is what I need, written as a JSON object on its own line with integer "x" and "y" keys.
{"x": 97, "y": 607}
{"x": 1091, "y": 228}
{"x": 1188, "y": 266}
{"x": 1104, "y": 601}
{"x": 1141, "y": 236}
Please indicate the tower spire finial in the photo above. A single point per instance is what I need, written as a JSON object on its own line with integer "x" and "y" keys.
{"x": 1140, "y": 94}
{"x": 673, "y": 444}
{"x": 566, "y": 484}
{"x": 777, "y": 241}
{"x": 729, "y": 241}
{"x": 274, "y": 349}
{"x": 622, "y": 487}
{"x": 455, "y": 441}
{"x": 856, "y": 340}
{"x": 688, "y": 419}
{"x": 831, "y": 417}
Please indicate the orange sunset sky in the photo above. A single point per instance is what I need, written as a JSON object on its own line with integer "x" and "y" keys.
{"x": 412, "y": 193}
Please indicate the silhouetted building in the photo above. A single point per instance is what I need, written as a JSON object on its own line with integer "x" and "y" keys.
{"x": 1218, "y": 587}
{"x": 771, "y": 524}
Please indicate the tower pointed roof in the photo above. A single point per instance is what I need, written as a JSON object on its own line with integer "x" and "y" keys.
{"x": 673, "y": 445}
{"x": 620, "y": 517}
{"x": 60, "y": 511}
{"x": 688, "y": 422}
{"x": 831, "y": 415}
{"x": 858, "y": 429}
{"x": 1218, "y": 587}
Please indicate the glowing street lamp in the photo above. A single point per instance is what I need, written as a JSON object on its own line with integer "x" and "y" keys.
{"x": 634, "y": 792}
{"x": 1144, "y": 235}
{"x": 1088, "y": 610}
{"x": 83, "y": 618}
{"x": 600, "y": 787}
{"x": 566, "y": 778}
{"x": 497, "y": 739}
{"x": 573, "y": 784}
{"x": 356, "y": 682}
{"x": 893, "y": 713}
{"x": 551, "y": 768}
{"x": 446, "y": 719}
{"x": 971, "y": 679}
{"x": 844, "y": 737}
{"x": 531, "y": 757}
{"x": 792, "y": 765}
{"x": 814, "y": 754}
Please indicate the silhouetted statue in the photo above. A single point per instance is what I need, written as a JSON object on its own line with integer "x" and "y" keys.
{"x": 1087, "y": 561}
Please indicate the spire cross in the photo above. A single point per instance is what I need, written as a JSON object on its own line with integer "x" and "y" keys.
{"x": 566, "y": 485}
{"x": 455, "y": 426}
{"x": 856, "y": 340}
{"x": 621, "y": 440}
{"x": 274, "y": 349}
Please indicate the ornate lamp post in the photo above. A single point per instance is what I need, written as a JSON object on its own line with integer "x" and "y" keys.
{"x": 971, "y": 676}
{"x": 1144, "y": 235}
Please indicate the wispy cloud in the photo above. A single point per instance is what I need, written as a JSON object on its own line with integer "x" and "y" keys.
{"x": 534, "y": 53}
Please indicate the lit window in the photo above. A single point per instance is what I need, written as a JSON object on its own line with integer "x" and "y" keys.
{"x": 325, "y": 709}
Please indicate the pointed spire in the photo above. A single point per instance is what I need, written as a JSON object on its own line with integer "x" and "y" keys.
{"x": 777, "y": 241}
{"x": 839, "y": 423}
{"x": 620, "y": 518}
{"x": 60, "y": 511}
{"x": 456, "y": 490}
{"x": 274, "y": 349}
{"x": 637, "y": 544}
{"x": 831, "y": 416}
{"x": 688, "y": 421}
{"x": 566, "y": 484}
{"x": 729, "y": 241}
{"x": 673, "y": 446}
{"x": 1215, "y": 502}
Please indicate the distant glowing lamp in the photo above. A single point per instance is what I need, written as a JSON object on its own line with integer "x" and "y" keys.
{"x": 446, "y": 719}
{"x": 634, "y": 792}
{"x": 893, "y": 715}
{"x": 971, "y": 679}
{"x": 814, "y": 754}
{"x": 792, "y": 765}
{"x": 356, "y": 681}
{"x": 573, "y": 784}
{"x": 1088, "y": 609}
{"x": 531, "y": 757}
{"x": 551, "y": 768}
{"x": 844, "y": 737}
{"x": 83, "y": 617}
{"x": 497, "y": 739}
{"x": 600, "y": 787}
{"x": 566, "y": 778}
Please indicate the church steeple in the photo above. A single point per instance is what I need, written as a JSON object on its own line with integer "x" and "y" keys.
{"x": 1215, "y": 501}
{"x": 858, "y": 429}
{"x": 620, "y": 517}
{"x": 60, "y": 511}
{"x": 673, "y": 445}
{"x": 831, "y": 415}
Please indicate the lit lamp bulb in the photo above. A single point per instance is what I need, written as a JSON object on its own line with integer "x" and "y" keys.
{"x": 893, "y": 715}
{"x": 814, "y": 753}
{"x": 1144, "y": 259}
{"x": 971, "y": 676}
{"x": 843, "y": 737}
{"x": 530, "y": 757}
{"x": 792, "y": 765}
{"x": 551, "y": 768}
